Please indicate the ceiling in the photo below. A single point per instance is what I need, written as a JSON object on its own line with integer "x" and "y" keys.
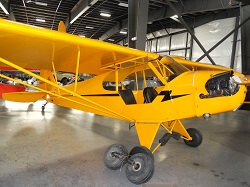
{"x": 48, "y": 13}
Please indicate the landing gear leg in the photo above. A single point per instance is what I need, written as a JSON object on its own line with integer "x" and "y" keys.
{"x": 43, "y": 107}
{"x": 196, "y": 138}
{"x": 139, "y": 162}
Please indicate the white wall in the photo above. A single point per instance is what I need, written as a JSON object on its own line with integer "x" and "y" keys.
{"x": 211, "y": 33}
{"x": 208, "y": 34}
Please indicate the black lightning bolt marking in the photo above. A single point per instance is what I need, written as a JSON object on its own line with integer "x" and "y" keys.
{"x": 167, "y": 95}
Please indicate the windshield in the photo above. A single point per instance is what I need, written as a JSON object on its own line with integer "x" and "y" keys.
{"x": 175, "y": 67}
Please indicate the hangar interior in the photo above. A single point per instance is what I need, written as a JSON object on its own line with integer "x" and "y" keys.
{"x": 64, "y": 147}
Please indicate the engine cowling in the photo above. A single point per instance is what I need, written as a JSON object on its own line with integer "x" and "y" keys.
{"x": 221, "y": 85}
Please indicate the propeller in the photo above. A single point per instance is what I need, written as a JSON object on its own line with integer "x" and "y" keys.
{"x": 242, "y": 80}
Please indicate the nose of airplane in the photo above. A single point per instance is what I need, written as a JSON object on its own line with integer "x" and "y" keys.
{"x": 218, "y": 92}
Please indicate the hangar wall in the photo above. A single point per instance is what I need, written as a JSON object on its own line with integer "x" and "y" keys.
{"x": 179, "y": 42}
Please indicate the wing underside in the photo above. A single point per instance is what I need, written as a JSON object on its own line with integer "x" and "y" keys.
{"x": 34, "y": 47}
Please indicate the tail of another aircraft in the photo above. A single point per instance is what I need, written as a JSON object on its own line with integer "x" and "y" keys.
{"x": 32, "y": 96}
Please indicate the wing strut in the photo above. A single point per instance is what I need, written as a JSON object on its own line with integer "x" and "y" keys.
{"x": 103, "y": 109}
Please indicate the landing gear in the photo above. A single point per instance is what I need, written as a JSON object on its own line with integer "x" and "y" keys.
{"x": 141, "y": 149}
{"x": 43, "y": 107}
{"x": 114, "y": 156}
{"x": 142, "y": 170}
{"x": 196, "y": 138}
{"x": 139, "y": 163}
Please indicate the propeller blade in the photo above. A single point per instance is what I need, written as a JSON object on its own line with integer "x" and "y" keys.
{"x": 242, "y": 80}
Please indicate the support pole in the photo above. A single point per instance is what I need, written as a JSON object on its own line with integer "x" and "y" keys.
{"x": 190, "y": 31}
{"x": 234, "y": 43}
{"x": 191, "y": 48}
{"x": 137, "y": 23}
{"x": 245, "y": 39}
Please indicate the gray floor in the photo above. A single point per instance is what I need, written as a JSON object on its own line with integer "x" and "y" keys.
{"x": 64, "y": 147}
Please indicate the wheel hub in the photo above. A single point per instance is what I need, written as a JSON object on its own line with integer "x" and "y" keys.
{"x": 137, "y": 166}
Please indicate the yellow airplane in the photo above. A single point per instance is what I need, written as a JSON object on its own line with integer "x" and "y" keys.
{"x": 143, "y": 88}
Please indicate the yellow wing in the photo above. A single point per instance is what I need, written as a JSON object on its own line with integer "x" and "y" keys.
{"x": 34, "y": 47}
{"x": 199, "y": 66}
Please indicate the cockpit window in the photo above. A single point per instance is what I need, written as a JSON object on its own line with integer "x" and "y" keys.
{"x": 176, "y": 67}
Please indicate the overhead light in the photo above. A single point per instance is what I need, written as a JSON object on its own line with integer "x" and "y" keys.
{"x": 80, "y": 13}
{"x": 83, "y": 10}
{"x": 174, "y": 17}
{"x": 81, "y": 35}
{"x": 134, "y": 38}
{"x": 105, "y": 15}
{"x": 123, "y": 32}
{"x": 123, "y": 4}
{"x": 40, "y": 20}
{"x": 4, "y": 9}
{"x": 24, "y": 3}
{"x": 88, "y": 27}
{"x": 40, "y": 3}
{"x": 112, "y": 40}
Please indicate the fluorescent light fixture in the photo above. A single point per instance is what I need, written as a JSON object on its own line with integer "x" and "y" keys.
{"x": 105, "y": 14}
{"x": 83, "y": 11}
{"x": 81, "y": 35}
{"x": 174, "y": 17}
{"x": 123, "y": 32}
{"x": 123, "y": 4}
{"x": 40, "y": 3}
{"x": 4, "y": 9}
{"x": 112, "y": 40}
{"x": 134, "y": 38}
{"x": 80, "y": 13}
{"x": 40, "y": 20}
{"x": 88, "y": 27}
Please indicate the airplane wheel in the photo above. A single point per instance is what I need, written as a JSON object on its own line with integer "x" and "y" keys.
{"x": 141, "y": 149}
{"x": 43, "y": 107}
{"x": 197, "y": 137}
{"x": 142, "y": 170}
{"x": 111, "y": 161}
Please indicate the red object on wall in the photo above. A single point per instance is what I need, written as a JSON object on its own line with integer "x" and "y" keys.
{"x": 6, "y": 88}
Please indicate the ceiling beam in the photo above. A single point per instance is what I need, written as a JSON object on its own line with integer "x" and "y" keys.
{"x": 5, "y": 6}
{"x": 80, "y": 8}
{"x": 184, "y": 7}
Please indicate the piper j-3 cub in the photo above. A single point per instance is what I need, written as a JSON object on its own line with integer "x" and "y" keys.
{"x": 143, "y": 88}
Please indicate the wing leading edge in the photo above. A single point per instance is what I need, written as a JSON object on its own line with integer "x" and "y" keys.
{"x": 34, "y": 47}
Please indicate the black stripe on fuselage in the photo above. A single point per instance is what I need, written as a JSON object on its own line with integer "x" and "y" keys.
{"x": 168, "y": 96}
{"x": 102, "y": 95}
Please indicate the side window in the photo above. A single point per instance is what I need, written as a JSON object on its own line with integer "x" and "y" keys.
{"x": 109, "y": 82}
{"x": 141, "y": 79}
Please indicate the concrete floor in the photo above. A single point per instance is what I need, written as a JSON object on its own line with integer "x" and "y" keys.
{"x": 64, "y": 147}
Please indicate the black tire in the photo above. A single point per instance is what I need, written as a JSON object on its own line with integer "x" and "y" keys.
{"x": 141, "y": 149}
{"x": 64, "y": 81}
{"x": 143, "y": 169}
{"x": 197, "y": 138}
{"x": 113, "y": 162}
{"x": 43, "y": 108}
